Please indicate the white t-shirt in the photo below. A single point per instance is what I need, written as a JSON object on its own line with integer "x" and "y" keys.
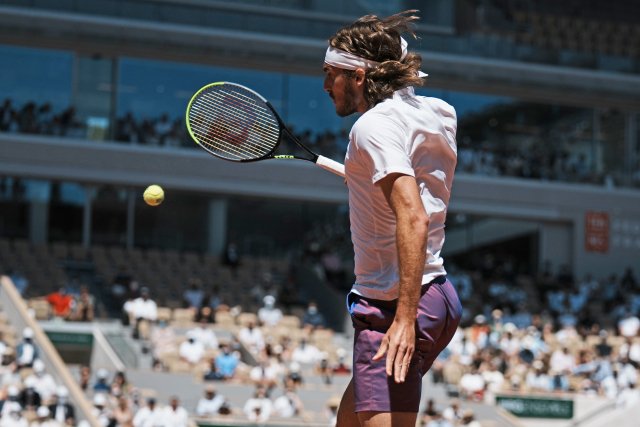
{"x": 192, "y": 352}
{"x": 411, "y": 135}
{"x": 209, "y": 407}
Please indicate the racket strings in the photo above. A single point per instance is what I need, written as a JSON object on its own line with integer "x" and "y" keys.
{"x": 220, "y": 137}
{"x": 229, "y": 127}
{"x": 234, "y": 134}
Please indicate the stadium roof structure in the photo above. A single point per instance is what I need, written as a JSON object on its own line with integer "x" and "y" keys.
{"x": 257, "y": 41}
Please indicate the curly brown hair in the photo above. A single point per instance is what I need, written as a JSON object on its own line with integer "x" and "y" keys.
{"x": 378, "y": 40}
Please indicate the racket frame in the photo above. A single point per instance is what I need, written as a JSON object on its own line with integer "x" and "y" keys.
{"x": 282, "y": 129}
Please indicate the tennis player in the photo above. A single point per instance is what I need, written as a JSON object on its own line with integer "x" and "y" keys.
{"x": 399, "y": 171}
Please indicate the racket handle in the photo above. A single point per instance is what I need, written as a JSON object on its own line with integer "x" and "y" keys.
{"x": 330, "y": 165}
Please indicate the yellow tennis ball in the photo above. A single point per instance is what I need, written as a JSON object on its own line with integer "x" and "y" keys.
{"x": 153, "y": 195}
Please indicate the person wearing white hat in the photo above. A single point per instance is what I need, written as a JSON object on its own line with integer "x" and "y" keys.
{"x": 101, "y": 409}
{"x": 44, "y": 383}
{"x": 269, "y": 314}
{"x": 26, "y": 350}
{"x": 102, "y": 382}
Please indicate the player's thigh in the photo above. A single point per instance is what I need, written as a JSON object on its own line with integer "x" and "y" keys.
{"x": 347, "y": 416}
{"x": 387, "y": 419}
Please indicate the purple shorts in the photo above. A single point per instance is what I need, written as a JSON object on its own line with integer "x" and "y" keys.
{"x": 439, "y": 312}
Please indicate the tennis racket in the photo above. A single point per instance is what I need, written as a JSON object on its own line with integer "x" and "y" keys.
{"x": 235, "y": 123}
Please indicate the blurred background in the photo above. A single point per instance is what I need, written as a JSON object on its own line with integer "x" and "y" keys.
{"x": 248, "y": 265}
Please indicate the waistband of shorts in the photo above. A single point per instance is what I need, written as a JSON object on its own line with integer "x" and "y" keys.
{"x": 440, "y": 280}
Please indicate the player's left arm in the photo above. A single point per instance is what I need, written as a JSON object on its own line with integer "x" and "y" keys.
{"x": 412, "y": 222}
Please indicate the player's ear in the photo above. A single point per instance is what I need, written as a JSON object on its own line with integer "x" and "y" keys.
{"x": 359, "y": 76}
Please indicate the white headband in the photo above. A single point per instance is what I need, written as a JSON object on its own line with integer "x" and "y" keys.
{"x": 348, "y": 61}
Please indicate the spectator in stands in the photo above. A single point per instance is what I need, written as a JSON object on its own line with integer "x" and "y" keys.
{"x": 437, "y": 420}
{"x": 259, "y": 407}
{"x": 231, "y": 257}
{"x": 293, "y": 375}
{"x": 269, "y": 315}
{"x": 630, "y": 350}
{"x": 468, "y": 419}
{"x": 61, "y": 303}
{"x": 193, "y": 296}
{"x": 205, "y": 335}
{"x": 341, "y": 367}
{"x": 119, "y": 384}
{"x": 226, "y": 362}
{"x": 205, "y": 314}
{"x": 163, "y": 341}
{"x": 191, "y": 350}
{"x": 175, "y": 415}
{"x": 251, "y": 337}
{"x": 472, "y": 384}
{"x": 312, "y": 318}
{"x": 265, "y": 373}
{"x": 61, "y": 409}
{"x": 149, "y": 415}
{"x": 122, "y": 413}
{"x": 9, "y": 373}
{"x": 332, "y": 410}
{"x": 26, "y": 351}
{"x": 453, "y": 412}
{"x": 537, "y": 378}
{"x": 209, "y": 405}
{"x": 144, "y": 311}
{"x": 83, "y": 309}
{"x": 102, "y": 382}
{"x": 85, "y": 377}
{"x": 29, "y": 397}
{"x": 629, "y": 324}
{"x": 561, "y": 365}
{"x": 11, "y": 403}
{"x": 44, "y": 383}
{"x": 429, "y": 412}
{"x": 13, "y": 418}
{"x": 101, "y": 410}
{"x": 44, "y": 419}
{"x": 289, "y": 404}
{"x": 305, "y": 353}
{"x": 325, "y": 371}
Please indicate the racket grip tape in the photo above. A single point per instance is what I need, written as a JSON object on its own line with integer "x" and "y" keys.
{"x": 330, "y": 165}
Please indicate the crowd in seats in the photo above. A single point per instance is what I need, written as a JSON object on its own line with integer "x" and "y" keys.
{"x": 492, "y": 356}
{"x": 29, "y": 395}
{"x": 495, "y": 142}
{"x": 116, "y": 402}
{"x": 265, "y": 349}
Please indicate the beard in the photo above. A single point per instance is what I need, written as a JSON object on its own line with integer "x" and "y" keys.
{"x": 349, "y": 104}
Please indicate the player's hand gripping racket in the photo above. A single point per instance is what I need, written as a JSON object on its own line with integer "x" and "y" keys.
{"x": 235, "y": 123}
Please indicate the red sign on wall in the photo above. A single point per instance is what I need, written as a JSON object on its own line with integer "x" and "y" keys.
{"x": 596, "y": 233}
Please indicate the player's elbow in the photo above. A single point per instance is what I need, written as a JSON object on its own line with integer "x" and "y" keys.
{"x": 419, "y": 224}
